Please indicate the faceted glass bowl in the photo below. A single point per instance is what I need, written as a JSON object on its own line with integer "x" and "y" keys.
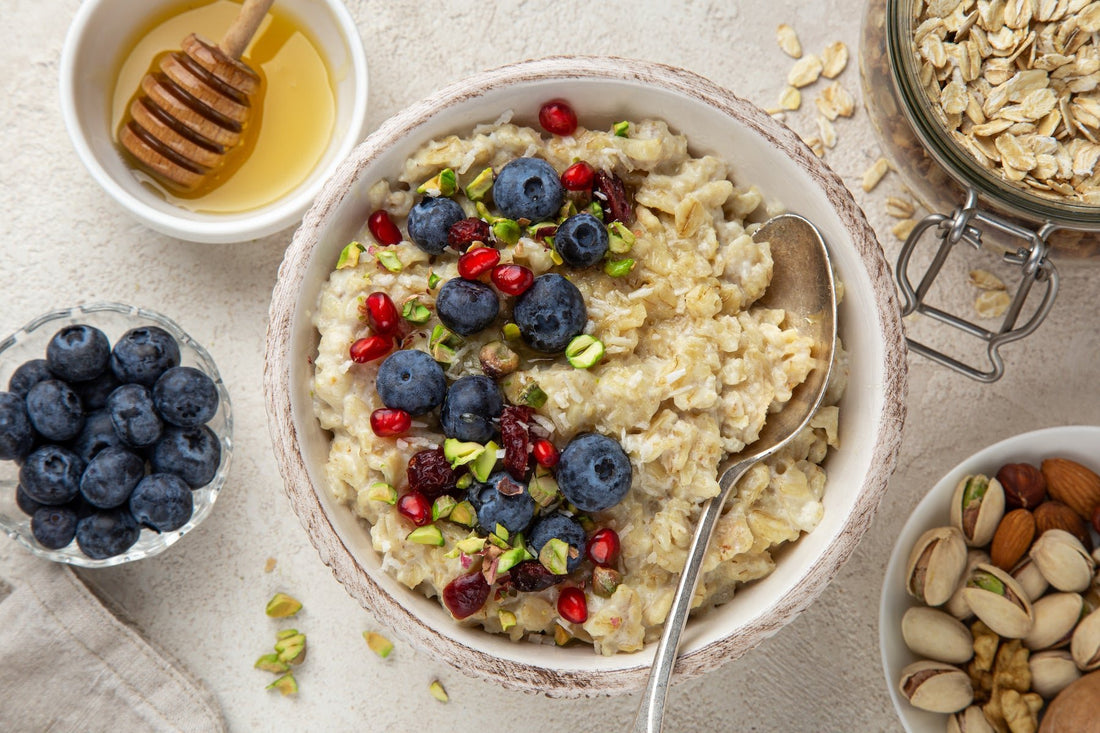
{"x": 114, "y": 319}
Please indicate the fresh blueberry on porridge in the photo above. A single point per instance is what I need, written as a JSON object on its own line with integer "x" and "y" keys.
{"x": 579, "y": 346}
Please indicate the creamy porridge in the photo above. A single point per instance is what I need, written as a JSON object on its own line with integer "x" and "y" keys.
{"x": 689, "y": 373}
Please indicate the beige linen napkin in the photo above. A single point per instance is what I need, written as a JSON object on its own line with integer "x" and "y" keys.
{"x": 68, "y": 664}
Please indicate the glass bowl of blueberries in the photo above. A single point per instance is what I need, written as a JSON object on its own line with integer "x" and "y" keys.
{"x": 115, "y": 434}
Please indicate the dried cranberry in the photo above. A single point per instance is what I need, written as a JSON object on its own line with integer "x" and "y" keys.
{"x": 516, "y": 436}
{"x": 558, "y": 118}
{"x": 466, "y": 594}
{"x": 430, "y": 473}
{"x": 465, "y": 232}
{"x": 512, "y": 279}
{"x": 572, "y": 605}
{"x": 578, "y": 177}
{"x": 611, "y": 191}
{"x": 477, "y": 262}
{"x": 382, "y": 228}
{"x": 415, "y": 507}
{"x": 545, "y": 453}
{"x": 370, "y": 348}
{"x": 387, "y": 422}
{"x": 532, "y": 575}
{"x": 381, "y": 313}
{"x": 603, "y": 547}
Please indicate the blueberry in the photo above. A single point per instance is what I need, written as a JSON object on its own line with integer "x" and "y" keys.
{"x": 143, "y": 354}
{"x": 513, "y": 512}
{"x": 94, "y": 393}
{"x": 412, "y": 381}
{"x": 162, "y": 502}
{"x": 185, "y": 396}
{"x": 55, "y": 410}
{"x": 106, "y": 533}
{"x": 78, "y": 353}
{"x": 550, "y": 313}
{"x": 193, "y": 454}
{"x": 466, "y": 306}
{"x": 54, "y": 526}
{"x": 16, "y": 433}
{"x": 98, "y": 433}
{"x": 581, "y": 240}
{"x": 51, "y": 475}
{"x": 133, "y": 415}
{"x": 565, "y": 528}
{"x": 28, "y": 374}
{"x": 594, "y": 472}
{"x": 429, "y": 221}
{"x": 110, "y": 477}
{"x": 469, "y": 408}
{"x": 528, "y": 188}
{"x": 25, "y": 503}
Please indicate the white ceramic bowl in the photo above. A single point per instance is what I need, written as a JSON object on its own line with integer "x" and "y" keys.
{"x": 761, "y": 151}
{"x": 1076, "y": 442}
{"x": 94, "y": 50}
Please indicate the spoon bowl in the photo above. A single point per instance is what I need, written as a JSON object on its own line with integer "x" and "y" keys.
{"x": 802, "y": 285}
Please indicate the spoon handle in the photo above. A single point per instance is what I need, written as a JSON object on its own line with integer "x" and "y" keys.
{"x": 651, "y": 711}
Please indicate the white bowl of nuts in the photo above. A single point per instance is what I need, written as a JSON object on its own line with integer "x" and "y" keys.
{"x": 990, "y": 600}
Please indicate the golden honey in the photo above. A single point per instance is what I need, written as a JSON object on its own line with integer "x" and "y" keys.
{"x": 293, "y": 113}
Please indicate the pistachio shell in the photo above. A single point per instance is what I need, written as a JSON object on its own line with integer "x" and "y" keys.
{"x": 1007, "y": 611}
{"x": 1051, "y": 672}
{"x": 956, "y": 605}
{"x": 931, "y": 633}
{"x": 1085, "y": 645}
{"x": 1063, "y": 560}
{"x": 977, "y": 518}
{"x": 1030, "y": 579}
{"x": 971, "y": 720}
{"x": 935, "y": 565}
{"x": 1055, "y": 617}
{"x": 935, "y": 686}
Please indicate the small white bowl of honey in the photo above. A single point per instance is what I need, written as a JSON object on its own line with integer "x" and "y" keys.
{"x": 307, "y": 116}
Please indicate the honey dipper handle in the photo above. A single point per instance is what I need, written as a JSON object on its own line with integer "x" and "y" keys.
{"x": 244, "y": 27}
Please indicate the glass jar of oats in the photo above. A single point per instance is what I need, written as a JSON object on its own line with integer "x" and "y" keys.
{"x": 990, "y": 112}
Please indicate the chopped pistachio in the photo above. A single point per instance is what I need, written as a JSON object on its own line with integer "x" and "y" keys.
{"x": 349, "y": 255}
{"x": 620, "y": 238}
{"x": 292, "y": 649}
{"x": 511, "y": 558}
{"x": 381, "y": 491}
{"x": 506, "y": 230}
{"x": 438, "y": 692}
{"x": 620, "y": 128}
{"x": 618, "y": 268}
{"x": 464, "y": 514}
{"x": 541, "y": 230}
{"x": 561, "y": 636}
{"x": 460, "y": 453}
{"x": 433, "y": 280}
{"x": 584, "y": 351}
{"x": 483, "y": 465}
{"x": 271, "y": 663}
{"x": 414, "y": 311}
{"x": 596, "y": 210}
{"x": 497, "y": 359}
{"x": 568, "y": 209}
{"x": 605, "y": 581}
{"x": 484, "y": 213}
{"x": 281, "y": 606}
{"x": 533, "y": 396}
{"x": 286, "y": 684}
{"x": 543, "y": 489}
{"x": 510, "y": 331}
{"x": 443, "y": 353}
{"x": 471, "y": 545}
{"x": 507, "y": 619}
{"x": 554, "y": 556}
{"x": 444, "y": 183}
{"x": 464, "y": 481}
{"x": 388, "y": 259}
{"x": 429, "y": 534}
{"x": 498, "y": 542}
{"x": 587, "y": 523}
{"x": 554, "y": 256}
{"x": 442, "y": 506}
{"x": 285, "y": 634}
{"x": 500, "y": 531}
{"x": 378, "y": 644}
{"x": 477, "y": 188}
{"x": 443, "y": 335}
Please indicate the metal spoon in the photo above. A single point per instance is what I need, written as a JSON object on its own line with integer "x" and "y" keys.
{"x": 802, "y": 284}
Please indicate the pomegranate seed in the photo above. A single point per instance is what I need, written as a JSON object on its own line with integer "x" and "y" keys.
{"x": 558, "y": 118}
{"x": 466, "y": 594}
{"x": 382, "y": 228}
{"x": 572, "y": 605}
{"x": 545, "y": 453}
{"x": 381, "y": 314}
{"x": 578, "y": 177}
{"x": 477, "y": 262}
{"x": 603, "y": 547}
{"x": 512, "y": 279}
{"x": 370, "y": 348}
{"x": 465, "y": 232}
{"x": 415, "y": 507}
{"x": 387, "y": 422}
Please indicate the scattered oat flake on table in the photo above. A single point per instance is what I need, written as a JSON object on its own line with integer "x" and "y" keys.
{"x": 874, "y": 174}
{"x": 992, "y": 303}
{"x": 437, "y": 691}
{"x": 815, "y": 144}
{"x": 835, "y": 101}
{"x": 834, "y": 59}
{"x": 269, "y": 565}
{"x": 788, "y": 41}
{"x": 790, "y": 99}
{"x": 899, "y": 208}
{"x": 805, "y": 71}
{"x": 904, "y": 228}
{"x": 985, "y": 280}
{"x": 826, "y": 131}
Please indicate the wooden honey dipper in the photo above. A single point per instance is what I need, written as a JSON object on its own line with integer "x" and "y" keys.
{"x": 190, "y": 111}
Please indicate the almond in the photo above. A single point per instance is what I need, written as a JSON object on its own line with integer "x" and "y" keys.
{"x": 1072, "y": 484}
{"x": 1012, "y": 538}
{"x": 1056, "y": 515}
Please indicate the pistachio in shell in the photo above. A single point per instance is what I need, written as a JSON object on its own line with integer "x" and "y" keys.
{"x": 1055, "y": 616}
{"x": 936, "y": 563}
{"x": 936, "y": 686}
{"x": 1063, "y": 560}
{"x": 1052, "y": 671}
{"x": 977, "y": 508}
{"x": 1085, "y": 645}
{"x": 1027, "y": 574}
{"x": 999, "y": 601}
{"x": 936, "y": 635}
{"x": 956, "y": 605}
{"x": 971, "y": 720}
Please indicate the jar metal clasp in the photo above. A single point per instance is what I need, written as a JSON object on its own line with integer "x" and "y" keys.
{"x": 965, "y": 225}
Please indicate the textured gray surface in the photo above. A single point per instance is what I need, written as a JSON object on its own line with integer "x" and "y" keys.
{"x": 63, "y": 241}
